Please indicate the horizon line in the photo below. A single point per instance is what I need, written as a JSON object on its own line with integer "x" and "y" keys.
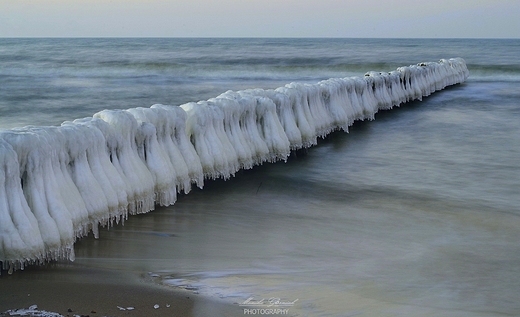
{"x": 256, "y": 37}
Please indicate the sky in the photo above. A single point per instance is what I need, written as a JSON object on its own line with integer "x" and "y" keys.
{"x": 261, "y": 18}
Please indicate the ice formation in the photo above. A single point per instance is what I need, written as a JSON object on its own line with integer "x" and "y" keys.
{"x": 59, "y": 183}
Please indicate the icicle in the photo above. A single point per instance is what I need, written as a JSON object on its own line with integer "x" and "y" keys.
{"x": 82, "y": 174}
{"x": 31, "y": 158}
{"x": 287, "y": 117}
{"x": 103, "y": 169}
{"x": 302, "y": 115}
{"x": 176, "y": 130}
{"x": 232, "y": 111}
{"x": 139, "y": 177}
{"x": 218, "y": 116}
{"x": 154, "y": 155}
{"x": 271, "y": 130}
{"x": 334, "y": 98}
{"x": 66, "y": 188}
{"x": 357, "y": 112}
{"x": 20, "y": 237}
{"x": 248, "y": 125}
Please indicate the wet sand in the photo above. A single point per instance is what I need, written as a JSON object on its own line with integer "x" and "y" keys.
{"x": 79, "y": 291}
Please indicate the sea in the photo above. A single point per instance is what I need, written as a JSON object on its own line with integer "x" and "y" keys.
{"x": 416, "y": 213}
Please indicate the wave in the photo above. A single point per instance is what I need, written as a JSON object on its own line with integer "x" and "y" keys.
{"x": 58, "y": 184}
{"x": 495, "y": 73}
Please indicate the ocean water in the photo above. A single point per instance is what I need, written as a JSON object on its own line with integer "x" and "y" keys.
{"x": 413, "y": 214}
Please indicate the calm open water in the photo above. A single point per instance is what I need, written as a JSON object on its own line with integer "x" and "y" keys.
{"x": 413, "y": 214}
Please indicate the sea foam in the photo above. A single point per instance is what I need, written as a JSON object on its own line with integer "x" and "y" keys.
{"x": 58, "y": 184}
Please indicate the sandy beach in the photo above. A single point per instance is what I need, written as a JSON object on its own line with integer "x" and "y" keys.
{"x": 78, "y": 291}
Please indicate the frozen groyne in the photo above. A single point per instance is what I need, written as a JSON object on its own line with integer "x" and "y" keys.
{"x": 59, "y": 183}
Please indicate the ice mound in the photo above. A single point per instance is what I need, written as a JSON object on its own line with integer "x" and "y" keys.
{"x": 32, "y": 311}
{"x": 59, "y": 183}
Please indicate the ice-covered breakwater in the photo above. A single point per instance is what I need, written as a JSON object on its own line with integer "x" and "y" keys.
{"x": 59, "y": 183}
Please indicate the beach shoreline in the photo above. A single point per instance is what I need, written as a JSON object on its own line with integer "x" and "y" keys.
{"x": 82, "y": 291}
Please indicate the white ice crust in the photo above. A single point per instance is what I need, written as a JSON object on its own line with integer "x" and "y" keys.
{"x": 59, "y": 183}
